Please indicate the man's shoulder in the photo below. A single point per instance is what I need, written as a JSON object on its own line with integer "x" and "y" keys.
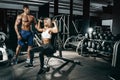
{"x": 31, "y": 16}
{"x": 20, "y": 15}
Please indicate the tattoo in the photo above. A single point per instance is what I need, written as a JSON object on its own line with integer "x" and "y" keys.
{"x": 18, "y": 20}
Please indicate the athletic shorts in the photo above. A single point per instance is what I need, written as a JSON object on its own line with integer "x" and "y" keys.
{"x": 27, "y": 38}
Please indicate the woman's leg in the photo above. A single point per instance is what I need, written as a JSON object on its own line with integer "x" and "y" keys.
{"x": 35, "y": 49}
{"x": 41, "y": 56}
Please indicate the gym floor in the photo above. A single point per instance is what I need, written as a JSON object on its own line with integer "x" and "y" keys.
{"x": 90, "y": 69}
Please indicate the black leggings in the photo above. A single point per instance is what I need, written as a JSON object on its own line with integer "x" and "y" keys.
{"x": 46, "y": 49}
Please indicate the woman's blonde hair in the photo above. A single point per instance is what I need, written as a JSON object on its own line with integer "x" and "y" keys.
{"x": 49, "y": 19}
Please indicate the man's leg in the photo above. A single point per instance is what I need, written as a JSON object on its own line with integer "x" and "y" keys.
{"x": 28, "y": 54}
{"x": 16, "y": 54}
{"x": 30, "y": 44}
{"x": 18, "y": 50}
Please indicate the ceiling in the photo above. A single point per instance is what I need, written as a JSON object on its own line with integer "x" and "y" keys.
{"x": 95, "y": 5}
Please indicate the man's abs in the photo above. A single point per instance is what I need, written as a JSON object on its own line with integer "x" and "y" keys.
{"x": 27, "y": 28}
{"x": 26, "y": 22}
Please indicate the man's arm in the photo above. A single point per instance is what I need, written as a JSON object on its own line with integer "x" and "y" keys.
{"x": 17, "y": 22}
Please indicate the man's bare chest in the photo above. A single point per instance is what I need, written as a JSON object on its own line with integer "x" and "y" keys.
{"x": 27, "y": 19}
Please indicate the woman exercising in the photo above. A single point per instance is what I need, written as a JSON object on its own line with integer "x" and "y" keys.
{"x": 46, "y": 48}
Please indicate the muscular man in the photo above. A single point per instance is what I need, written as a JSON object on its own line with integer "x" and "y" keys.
{"x": 46, "y": 48}
{"x": 24, "y": 34}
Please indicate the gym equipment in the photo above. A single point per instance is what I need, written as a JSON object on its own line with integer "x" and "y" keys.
{"x": 99, "y": 43}
{"x": 86, "y": 35}
{"x": 115, "y": 69}
{"x": 65, "y": 27}
{"x": 5, "y": 54}
{"x": 37, "y": 41}
{"x": 98, "y": 47}
{"x": 74, "y": 42}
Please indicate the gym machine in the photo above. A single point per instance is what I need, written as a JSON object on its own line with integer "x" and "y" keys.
{"x": 74, "y": 42}
{"x": 115, "y": 69}
{"x": 5, "y": 53}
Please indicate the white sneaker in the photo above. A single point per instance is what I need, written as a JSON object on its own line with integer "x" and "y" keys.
{"x": 28, "y": 61}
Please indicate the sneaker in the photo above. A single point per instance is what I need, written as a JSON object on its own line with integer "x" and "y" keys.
{"x": 41, "y": 71}
{"x": 14, "y": 61}
{"x": 28, "y": 61}
{"x": 29, "y": 65}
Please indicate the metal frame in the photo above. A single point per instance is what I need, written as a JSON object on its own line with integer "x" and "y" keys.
{"x": 64, "y": 26}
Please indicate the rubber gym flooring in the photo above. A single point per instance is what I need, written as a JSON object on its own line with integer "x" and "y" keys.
{"x": 90, "y": 69}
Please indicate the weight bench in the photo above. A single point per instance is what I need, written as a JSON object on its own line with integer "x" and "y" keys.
{"x": 55, "y": 42}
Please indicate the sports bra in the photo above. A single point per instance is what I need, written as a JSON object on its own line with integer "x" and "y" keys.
{"x": 46, "y": 34}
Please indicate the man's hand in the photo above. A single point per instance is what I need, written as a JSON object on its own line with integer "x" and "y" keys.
{"x": 19, "y": 37}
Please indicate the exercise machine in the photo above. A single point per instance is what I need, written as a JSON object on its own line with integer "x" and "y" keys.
{"x": 5, "y": 53}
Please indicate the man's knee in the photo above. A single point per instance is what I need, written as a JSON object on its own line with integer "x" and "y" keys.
{"x": 29, "y": 48}
{"x": 19, "y": 47}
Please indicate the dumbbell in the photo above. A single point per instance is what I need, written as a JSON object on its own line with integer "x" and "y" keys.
{"x": 95, "y": 37}
{"x": 106, "y": 37}
{"x": 90, "y": 44}
{"x": 103, "y": 48}
{"x": 87, "y": 35}
{"x": 94, "y": 45}
{"x": 85, "y": 43}
{"x": 112, "y": 38}
{"x": 90, "y": 35}
{"x": 106, "y": 45}
{"x": 101, "y": 37}
{"x": 99, "y": 34}
{"x": 94, "y": 34}
{"x": 98, "y": 46}
{"x": 110, "y": 49}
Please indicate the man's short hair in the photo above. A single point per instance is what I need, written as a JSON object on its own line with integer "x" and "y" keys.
{"x": 25, "y": 6}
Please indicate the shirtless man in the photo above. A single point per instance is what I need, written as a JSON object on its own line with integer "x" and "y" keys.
{"x": 47, "y": 47}
{"x": 24, "y": 35}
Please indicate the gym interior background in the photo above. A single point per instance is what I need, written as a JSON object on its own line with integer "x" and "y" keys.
{"x": 88, "y": 31}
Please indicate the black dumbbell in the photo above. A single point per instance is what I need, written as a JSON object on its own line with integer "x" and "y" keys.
{"x": 98, "y": 46}
{"x": 110, "y": 49}
{"x": 87, "y": 35}
{"x": 90, "y": 44}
